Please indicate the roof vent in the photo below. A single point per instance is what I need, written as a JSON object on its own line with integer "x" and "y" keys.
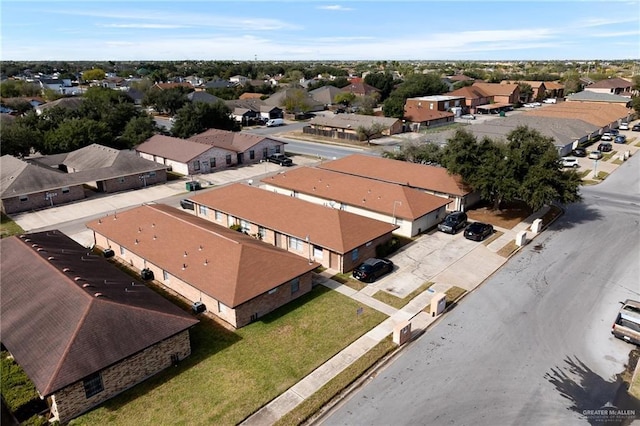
{"x": 206, "y": 262}
{"x": 77, "y": 278}
{"x": 99, "y": 295}
{"x": 27, "y": 240}
{"x": 66, "y": 269}
{"x": 155, "y": 237}
{"x": 40, "y": 249}
{"x": 100, "y": 221}
{"x": 137, "y": 241}
{"x": 185, "y": 254}
{"x": 184, "y": 266}
{"x": 139, "y": 229}
{"x": 85, "y": 285}
{"x": 200, "y": 248}
{"x": 34, "y": 245}
{"x": 50, "y": 258}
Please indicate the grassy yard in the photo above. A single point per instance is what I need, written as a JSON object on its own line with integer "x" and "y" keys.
{"x": 397, "y": 302}
{"x": 8, "y": 227}
{"x": 345, "y": 278}
{"x": 231, "y": 374}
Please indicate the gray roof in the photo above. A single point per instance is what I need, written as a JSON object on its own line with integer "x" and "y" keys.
{"x": 563, "y": 130}
{"x": 352, "y": 121}
{"x": 278, "y": 98}
{"x": 203, "y": 97}
{"x": 20, "y": 178}
{"x": 325, "y": 94}
{"x": 588, "y": 96}
{"x": 67, "y": 103}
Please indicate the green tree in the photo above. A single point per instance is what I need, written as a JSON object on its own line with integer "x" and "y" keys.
{"x": 93, "y": 74}
{"x": 381, "y": 81}
{"x": 414, "y": 85}
{"x": 18, "y": 139}
{"x": 296, "y": 101}
{"x": 344, "y": 98}
{"x": 423, "y": 153}
{"x": 368, "y": 132}
{"x": 526, "y": 92}
{"x": 137, "y": 130}
{"x": 635, "y": 104}
{"x": 76, "y": 133}
{"x": 197, "y": 117}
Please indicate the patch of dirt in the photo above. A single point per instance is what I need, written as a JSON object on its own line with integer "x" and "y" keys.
{"x": 507, "y": 217}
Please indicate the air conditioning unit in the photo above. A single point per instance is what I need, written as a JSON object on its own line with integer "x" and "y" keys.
{"x": 108, "y": 253}
{"x": 146, "y": 274}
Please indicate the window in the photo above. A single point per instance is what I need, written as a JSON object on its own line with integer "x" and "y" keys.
{"x": 317, "y": 252}
{"x": 295, "y": 244}
{"x": 65, "y": 190}
{"x": 295, "y": 285}
{"x": 265, "y": 152}
{"x": 262, "y": 232}
{"x": 23, "y": 198}
{"x": 196, "y": 165}
{"x": 121, "y": 180}
{"x": 245, "y": 226}
{"x": 218, "y": 216}
{"x": 202, "y": 210}
{"x": 228, "y": 159}
{"x": 277, "y": 149}
{"x": 212, "y": 163}
{"x": 165, "y": 275}
{"x": 93, "y": 385}
{"x": 252, "y": 155}
{"x": 354, "y": 255}
{"x": 152, "y": 174}
{"x": 122, "y": 251}
{"x": 273, "y": 290}
{"x": 221, "y": 307}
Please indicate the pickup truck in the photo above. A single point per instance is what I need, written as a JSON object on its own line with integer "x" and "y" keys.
{"x": 627, "y": 323}
{"x": 281, "y": 159}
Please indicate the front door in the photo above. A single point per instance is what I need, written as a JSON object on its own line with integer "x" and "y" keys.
{"x": 240, "y": 158}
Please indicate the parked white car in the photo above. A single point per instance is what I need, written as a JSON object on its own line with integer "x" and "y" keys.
{"x": 595, "y": 155}
{"x": 550, "y": 101}
{"x": 624, "y": 126}
{"x": 570, "y": 162}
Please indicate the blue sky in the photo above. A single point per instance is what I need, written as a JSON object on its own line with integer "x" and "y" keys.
{"x": 319, "y": 30}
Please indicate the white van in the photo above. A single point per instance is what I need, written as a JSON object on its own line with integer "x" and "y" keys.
{"x": 275, "y": 122}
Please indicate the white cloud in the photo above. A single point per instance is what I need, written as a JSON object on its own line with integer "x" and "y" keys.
{"x": 336, "y": 7}
{"x": 144, "y": 26}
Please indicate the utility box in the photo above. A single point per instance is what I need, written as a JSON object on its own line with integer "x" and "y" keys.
{"x": 108, "y": 253}
{"x": 438, "y": 304}
{"x": 402, "y": 333}
{"x": 536, "y": 227}
{"x": 146, "y": 274}
{"x": 198, "y": 307}
{"x": 521, "y": 238}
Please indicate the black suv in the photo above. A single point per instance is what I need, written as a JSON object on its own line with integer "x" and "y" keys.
{"x": 187, "y": 204}
{"x": 372, "y": 268}
{"x": 453, "y": 222}
{"x": 281, "y": 159}
{"x": 605, "y": 147}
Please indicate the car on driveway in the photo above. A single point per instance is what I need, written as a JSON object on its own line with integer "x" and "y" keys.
{"x": 478, "y": 231}
{"x": 570, "y": 162}
{"x": 605, "y": 147}
{"x": 453, "y": 222}
{"x": 620, "y": 139}
{"x": 579, "y": 152}
{"x": 595, "y": 155}
{"x": 606, "y": 136}
{"x": 281, "y": 159}
{"x": 372, "y": 269}
{"x": 624, "y": 126}
{"x": 468, "y": 117}
{"x": 635, "y": 128}
{"x": 627, "y": 323}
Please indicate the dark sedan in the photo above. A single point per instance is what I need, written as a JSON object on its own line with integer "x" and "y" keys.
{"x": 635, "y": 128}
{"x": 605, "y": 147}
{"x": 478, "y": 231}
{"x": 579, "y": 152}
{"x": 371, "y": 269}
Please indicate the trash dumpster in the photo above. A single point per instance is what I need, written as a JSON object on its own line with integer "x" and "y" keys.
{"x": 193, "y": 185}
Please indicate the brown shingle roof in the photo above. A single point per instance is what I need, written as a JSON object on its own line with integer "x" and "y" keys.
{"x": 597, "y": 113}
{"x": 368, "y": 194}
{"x": 243, "y": 267}
{"x": 470, "y": 92}
{"x": 611, "y": 83}
{"x": 360, "y": 88}
{"x": 232, "y": 141}
{"x": 420, "y": 176}
{"x": 335, "y": 229}
{"x": 496, "y": 89}
{"x": 418, "y": 114}
{"x": 56, "y": 327}
{"x": 181, "y": 150}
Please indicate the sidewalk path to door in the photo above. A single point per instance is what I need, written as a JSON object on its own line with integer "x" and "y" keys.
{"x": 467, "y": 272}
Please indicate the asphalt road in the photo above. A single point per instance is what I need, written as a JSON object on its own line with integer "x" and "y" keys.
{"x": 532, "y": 345}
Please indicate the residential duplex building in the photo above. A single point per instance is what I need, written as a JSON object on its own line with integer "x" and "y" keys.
{"x": 414, "y": 211}
{"x": 246, "y": 147}
{"x": 238, "y": 278}
{"x": 335, "y": 238}
{"x": 433, "y": 110}
{"x": 345, "y": 126}
{"x": 82, "y": 330}
{"x": 485, "y": 98}
{"x": 614, "y": 86}
{"x": 429, "y": 179}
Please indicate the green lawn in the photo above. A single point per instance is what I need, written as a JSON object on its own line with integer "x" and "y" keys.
{"x": 8, "y": 227}
{"x": 230, "y": 375}
{"x": 397, "y": 302}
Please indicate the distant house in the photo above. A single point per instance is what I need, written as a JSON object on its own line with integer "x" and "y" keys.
{"x": 60, "y": 86}
{"x": 433, "y": 180}
{"x": 218, "y": 84}
{"x": 253, "y": 107}
{"x": 414, "y": 211}
{"x": 239, "y": 79}
{"x": 539, "y": 89}
{"x": 82, "y": 330}
{"x": 70, "y": 104}
{"x": 238, "y": 278}
{"x": 203, "y": 97}
{"x": 166, "y": 86}
{"x": 590, "y": 96}
{"x": 613, "y": 86}
{"x": 209, "y": 151}
{"x": 433, "y": 110}
{"x": 279, "y": 98}
{"x": 57, "y": 179}
{"x": 473, "y": 97}
{"x": 248, "y": 95}
{"x": 554, "y": 90}
{"x": 325, "y": 94}
{"x": 335, "y": 238}
{"x": 345, "y": 126}
{"x": 360, "y": 88}
{"x": 500, "y": 97}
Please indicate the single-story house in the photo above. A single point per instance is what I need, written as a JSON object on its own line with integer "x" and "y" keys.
{"x": 184, "y": 156}
{"x": 204, "y": 97}
{"x": 430, "y": 179}
{"x": 82, "y": 330}
{"x": 70, "y": 104}
{"x": 360, "y": 88}
{"x": 335, "y": 238}
{"x": 325, "y": 94}
{"x": 414, "y": 211}
{"x": 614, "y": 86}
{"x": 345, "y": 126}
{"x": 238, "y": 278}
{"x": 247, "y": 147}
{"x": 253, "y": 107}
{"x": 588, "y": 96}
{"x": 50, "y": 180}
{"x": 279, "y": 98}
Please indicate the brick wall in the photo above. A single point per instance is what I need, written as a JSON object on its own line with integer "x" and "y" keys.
{"x": 71, "y": 401}
{"x": 37, "y": 200}
{"x": 133, "y": 181}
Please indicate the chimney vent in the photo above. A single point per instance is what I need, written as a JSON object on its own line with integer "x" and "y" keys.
{"x": 184, "y": 266}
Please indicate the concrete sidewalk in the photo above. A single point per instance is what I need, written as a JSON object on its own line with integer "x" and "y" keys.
{"x": 468, "y": 272}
